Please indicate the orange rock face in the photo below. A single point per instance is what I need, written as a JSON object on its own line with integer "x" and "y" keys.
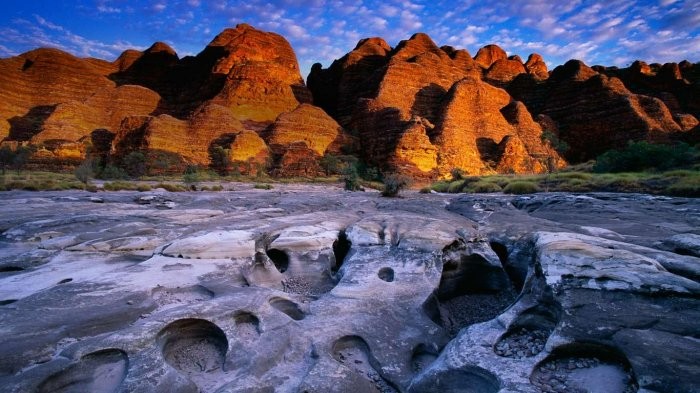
{"x": 490, "y": 54}
{"x": 243, "y": 80}
{"x": 429, "y": 111}
{"x": 300, "y": 137}
{"x": 595, "y": 113}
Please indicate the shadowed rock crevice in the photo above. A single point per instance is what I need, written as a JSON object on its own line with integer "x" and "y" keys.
{"x": 472, "y": 289}
{"x": 279, "y": 258}
{"x": 98, "y": 372}
{"x": 386, "y": 274}
{"x": 247, "y": 325}
{"x": 341, "y": 248}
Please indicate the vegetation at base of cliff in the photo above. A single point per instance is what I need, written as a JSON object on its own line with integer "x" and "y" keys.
{"x": 682, "y": 182}
{"x": 645, "y": 156}
{"x": 40, "y": 181}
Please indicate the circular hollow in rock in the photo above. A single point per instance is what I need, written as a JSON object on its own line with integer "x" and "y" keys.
{"x": 279, "y": 258}
{"x": 470, "y": 380}
{"x": 193, "y": 346}
{"x": 288, "y": 307}
{"x": 355, "y": 354}
{"x": 585, "y": 367}
{"x": 98, "y": 372}
{"x": 386, "y": 274}
{"x": 247, "y": 325}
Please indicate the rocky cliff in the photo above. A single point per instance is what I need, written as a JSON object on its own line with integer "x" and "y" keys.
{"x": 418, "y": 108}
{"x": 153, "y": 101}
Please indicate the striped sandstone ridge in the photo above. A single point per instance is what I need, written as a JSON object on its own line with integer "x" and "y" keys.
{"x": 424, "y": 110}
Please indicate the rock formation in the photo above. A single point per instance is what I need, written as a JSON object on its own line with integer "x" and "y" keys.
{"x": 152, "y": 100}
{"x": 588, "y": 106}
{"x": 409, "y": 119}
{"x": 400, "y": 109}
{"x": 310, "y": 288}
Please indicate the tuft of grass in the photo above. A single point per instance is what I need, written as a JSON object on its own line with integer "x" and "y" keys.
{"x": 170, "y": 187}
{"x": 483, "y": 186}
{"x": 440, "y": 186}
{"x": 521, "y": 187}
{"x": 456, "y": 186}
{"x": 262, "y": 186}
{"x": 426, "y": 190}
{"x": 394, "y": 183}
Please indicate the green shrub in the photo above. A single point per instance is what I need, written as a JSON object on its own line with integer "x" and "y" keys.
{"x": 640, "y": 156}
{"x": 426, "y": 190}
{"x": 394, "y": 183}
{"x": 484, "y": 187}
{"x": 351, "y": 178}
{"x": 171, "y": 187}
{"x": 111, "y": 172}
{"x": 260, "y": 186}
{"x": 685, "y": 187}
{"x": 521, "y": 187}
{"x": 457, "y": 174}
{"x": 455, "y": 186}
{"x": 217, "y": 187}
{"x": 440, "y": 186}
{"x": 143, "y": 187}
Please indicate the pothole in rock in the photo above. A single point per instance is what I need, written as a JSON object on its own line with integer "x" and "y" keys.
{"x": 470, "y": 380}
{"x": 247, "y": 326}
{"x": 287, "y": 307}
{"x": 98, "y": 372}
{"x": 471, "y": 290}
{"x": 175, "y": 296}
{"x": 584, "y": 368}
{"x": 197, "y": 348}
{"x": 386, "y": 274}
{"x": 354, "y": 353}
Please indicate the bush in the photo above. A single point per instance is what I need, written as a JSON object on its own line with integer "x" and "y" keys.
{"x": 484, "y": 187}
{"x": 455, "y": 186}
{"x": 351, "y": 179}
{"x": 521, "y": 187}
{"x": 84, "y": 172}
{"x": 426, "y": 190}
{"x": 217, "y": 187}
{"x": 171, "y": 187}
{"x": 111, "y": 172}
{"x": 640, "y": 156}
{"x": 440, "y": 186}
{"x": 457, "y": 174}
{"x": 135, "y": 164}
{"x": 190, "y": 177}
{"x": 393, "y": 184}
{"x": 260, "y": 186}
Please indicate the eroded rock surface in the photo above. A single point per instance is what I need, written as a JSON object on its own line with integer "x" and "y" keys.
{"x": 309, "y": 288}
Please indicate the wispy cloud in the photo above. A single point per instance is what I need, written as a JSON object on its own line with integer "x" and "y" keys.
{"x": 613, "y": 32}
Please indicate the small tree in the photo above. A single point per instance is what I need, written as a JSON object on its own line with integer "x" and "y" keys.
{"x": 394, "y": 183}
{"x": 135, "y": 164}
{"x": 351, "y": 178}
{"x": 7, "y": 157}
{"x": 84, "y": 172}
{"x": 191, "y": 177}
{"x": 21, "y": 157}
{"x": 330, "y": 164}
{"x": 457, "y": 174}
{"x": 220, "y": 160}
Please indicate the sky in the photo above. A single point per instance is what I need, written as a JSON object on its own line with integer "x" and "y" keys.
{"x": 607, "y": 32}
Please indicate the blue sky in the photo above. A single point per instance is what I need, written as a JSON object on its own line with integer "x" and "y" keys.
{"x": 609, "y": 32}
